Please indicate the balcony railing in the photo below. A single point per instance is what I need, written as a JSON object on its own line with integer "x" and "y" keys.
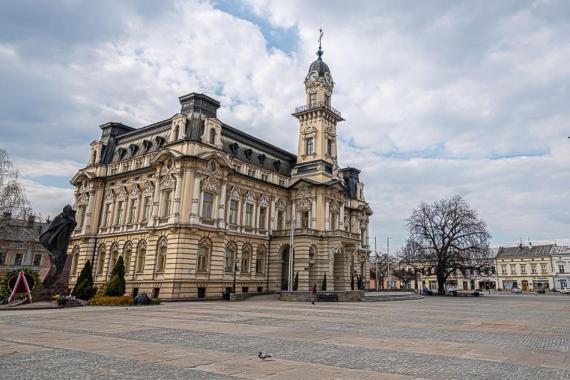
{"x": 311, "y": 106}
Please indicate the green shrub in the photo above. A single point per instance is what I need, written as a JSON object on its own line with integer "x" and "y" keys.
{"x": 324, "y": 285}
{"x": 156, "y": 301}
{"x": 116, "y": 285}
{"x": 112, "y": 301}
{"x": 84, "y": 286}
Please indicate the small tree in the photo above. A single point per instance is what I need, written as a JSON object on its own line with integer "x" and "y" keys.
{"x": 324, "y": 284}
{"x": 12, "y": 195}
{"x": 84, "y": 287}
{"x": 116, "y": 285}
{"x": 296, "y": 282}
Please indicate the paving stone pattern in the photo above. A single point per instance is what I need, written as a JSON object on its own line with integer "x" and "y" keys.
{"x": 506, "y": 337}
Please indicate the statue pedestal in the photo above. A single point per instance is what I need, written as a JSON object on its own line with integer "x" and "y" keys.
{"x": 61, "y": 285}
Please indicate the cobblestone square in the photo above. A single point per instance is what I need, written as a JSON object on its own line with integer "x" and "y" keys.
{"x": 491, "y": 337}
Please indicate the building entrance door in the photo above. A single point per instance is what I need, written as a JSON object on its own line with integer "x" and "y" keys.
{"x": 525, "y": 286}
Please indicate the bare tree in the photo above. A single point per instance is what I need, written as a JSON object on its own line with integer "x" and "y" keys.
{"x": 447, "y": 236}
{"x": 12, "y": 195}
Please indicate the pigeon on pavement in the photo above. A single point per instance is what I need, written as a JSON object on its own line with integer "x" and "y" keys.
{"x": 263, "y": 356}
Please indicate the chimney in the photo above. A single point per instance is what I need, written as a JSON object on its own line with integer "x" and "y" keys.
{"x": 31, "y": 221}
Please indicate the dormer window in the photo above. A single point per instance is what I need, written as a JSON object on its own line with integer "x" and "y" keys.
{"x": 133, "y": 149}
{"x": 261, "y": 158}
{"x": 146, "y": 146}
{"x": 122, "y": 152}
{"x": 277, "y": 164}
{"x": 234, "y": 148}
{"x": 248, "y": 153}
{"x": 159, "y": 141}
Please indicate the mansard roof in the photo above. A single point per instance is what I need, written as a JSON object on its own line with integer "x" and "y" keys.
{"x": 525, "y": 251}
{"x": 122, "y": 141}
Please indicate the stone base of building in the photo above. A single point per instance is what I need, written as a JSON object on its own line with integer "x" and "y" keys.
{"x": 343, "y": 295}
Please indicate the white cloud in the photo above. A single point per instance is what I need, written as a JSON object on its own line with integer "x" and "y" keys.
{"x": 432, "y": 94}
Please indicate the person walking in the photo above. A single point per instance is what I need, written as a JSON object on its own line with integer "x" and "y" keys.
{"x": 314, "y": 294}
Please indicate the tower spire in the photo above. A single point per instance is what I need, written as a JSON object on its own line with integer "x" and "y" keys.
{"x": 320, "y": 51}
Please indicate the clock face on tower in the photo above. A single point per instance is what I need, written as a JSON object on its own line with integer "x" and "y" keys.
{"x": 313, "y": 76}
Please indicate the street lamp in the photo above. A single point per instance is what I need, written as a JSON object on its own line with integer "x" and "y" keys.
{"x": 235, "y": 274}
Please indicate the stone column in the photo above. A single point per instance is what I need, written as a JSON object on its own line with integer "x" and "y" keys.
{"x": 272, "y": 218}
{"x": 313, "y": 222}
{"x": 175, "y": 212}
{"x": 89, "y": 212}
{"x": 156, "y": 199}
{"x": 341, "y": 217}
{"x": 194, "y": 214}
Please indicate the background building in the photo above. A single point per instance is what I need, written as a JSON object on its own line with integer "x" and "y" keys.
{"x": 20, "y": 246}
{"x": 193, "y": 204}
{"x": 525, "y": 267}
{"x": 561, "y": 267}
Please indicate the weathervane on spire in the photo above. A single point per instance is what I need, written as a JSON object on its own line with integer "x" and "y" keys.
{"x": 320, "y": 52}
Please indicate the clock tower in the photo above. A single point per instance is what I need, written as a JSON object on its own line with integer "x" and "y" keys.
{"x": 317, "y": 149}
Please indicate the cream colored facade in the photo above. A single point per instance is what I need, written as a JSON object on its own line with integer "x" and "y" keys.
{"x": 525, "y": 267}
{"x": 186, "y": 199}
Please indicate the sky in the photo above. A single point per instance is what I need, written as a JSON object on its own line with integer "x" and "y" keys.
{"x": 440, "y": 98}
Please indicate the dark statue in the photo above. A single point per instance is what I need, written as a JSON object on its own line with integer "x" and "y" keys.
{"x": 56, "y": 240}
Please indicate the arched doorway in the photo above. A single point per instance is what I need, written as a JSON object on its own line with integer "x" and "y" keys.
{"x": 313, "y": 272}
{"x": 339, "y": 271}
{"x": 285, "y": 266}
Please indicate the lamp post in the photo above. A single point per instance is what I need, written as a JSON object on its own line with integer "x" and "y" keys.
{"x": 235, "y": 274}
{"x": 290, "y": 277}
{"x": 376, "y": 259}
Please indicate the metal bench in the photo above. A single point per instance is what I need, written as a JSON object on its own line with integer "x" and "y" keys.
{"x": 327, "y": 297}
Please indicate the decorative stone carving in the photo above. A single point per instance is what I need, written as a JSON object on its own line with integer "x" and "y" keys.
{"x": 167, "y": 182}
{"x": 304, "y": 204}
{"x": 235, "y": 192}
{"x": 281, "y": 204}
{"x": 264, "y": 199}
{"x": 210, "y": 184}
{"x": 148, "y": 187}
{"x": 83, "y": 199}
{"x": 123, "y": 192}
{"x": 109, "y": 195}
{"x": 250, "y": 196}
{"x": 334, "y": 207}
{"x": 135, "y": 190}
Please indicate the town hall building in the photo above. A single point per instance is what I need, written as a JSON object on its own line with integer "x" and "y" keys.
{"x": 197, "y": 207}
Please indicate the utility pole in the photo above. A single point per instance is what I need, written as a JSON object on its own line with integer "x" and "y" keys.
{"x": 290, "y": 280}
{"x": 376, "y": 262}
{"x": 388, "y": 261}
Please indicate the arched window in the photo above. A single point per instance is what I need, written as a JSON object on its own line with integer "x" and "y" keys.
{"x": 312, "y": 252}
{"x": 260, "y": 259}
{"x": 212, "y": 136}
{"x": 229, "y": 258}
{"x": 333, "y": 221}
{"x": 141, "y": 256}
{"x": 127, "y": 255}
{"x": 245, "y": 258}
{"x": 310, "y": 146}
{"x": 203, "y": 258}
{"x": 75, "y": 261}
{"x": 101, "y": 262}
{"x": 161, "y": 259}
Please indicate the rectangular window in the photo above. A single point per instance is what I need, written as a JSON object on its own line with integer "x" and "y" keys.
{"x": 560, "y": 268}
{"x": 327, "y": 100}
{"x": 207, "y": 205}
{"x": 133, "y": 211}
{"x": 262, "y": 217}
{"x": 2, "y": 258}
{"x": 280, "y": 219}
{"x": 503, "y": 269}
{"x": 259, "y": 264}
{"x": 251, "y": 172}
{"x": 245, "y": 262}
{"x": 37, "y": 260}
{"x": 543, "y": 268}
{"x": 333, "y": 221}
{"x": 313, "y": 99}
{"x": 310, "y": 146}
{"x": 282, "y": 183}
{"x": 120, "y": 212}
{"x": 167, "y": 202}
{"x": 146, "y": 209}
{"x": 533, "y": 268}
{"x": 18, "y": 259}
{"x": 329, "y": 147}
{"x": 513, "y": 269}
{"x": 523, "y": 268}
{"x": 107, "y": 215}
{"x": 81, "y": 217}
{"x": 249, "y": 214}
{"x": 304, "y": 219}
{"x": 233, "y": 211}
{"x": 264, "y": 177}
{"x": 229, "y": 260}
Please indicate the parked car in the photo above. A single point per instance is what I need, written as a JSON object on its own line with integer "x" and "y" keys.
{"x": 565, "y": 291}
{"x": 541, "y": 291}
{"x": 516, "y": 290}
